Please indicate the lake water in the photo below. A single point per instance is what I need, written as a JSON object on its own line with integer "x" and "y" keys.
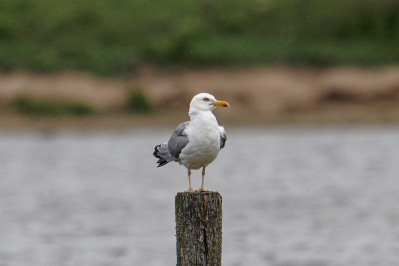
{"x": 291, "y": 196}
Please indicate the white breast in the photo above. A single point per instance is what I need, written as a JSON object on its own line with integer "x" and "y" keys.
{"x": 204, "y": 142}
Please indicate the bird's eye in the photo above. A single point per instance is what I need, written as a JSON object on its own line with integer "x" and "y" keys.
{"x": 206, "y": 99}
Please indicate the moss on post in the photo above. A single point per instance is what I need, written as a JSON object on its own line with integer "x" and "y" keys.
{"x": 199, "y": 228}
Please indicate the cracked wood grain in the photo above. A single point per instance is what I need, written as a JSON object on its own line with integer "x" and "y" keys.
{"x": 198, "y": 228}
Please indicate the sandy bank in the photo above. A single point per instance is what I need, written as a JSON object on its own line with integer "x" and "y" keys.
{"x": 257, "y": 95}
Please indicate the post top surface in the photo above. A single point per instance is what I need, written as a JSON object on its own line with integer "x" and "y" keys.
{"x": 198, "y": 193}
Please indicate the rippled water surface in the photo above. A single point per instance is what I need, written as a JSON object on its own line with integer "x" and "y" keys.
{"x": 291, "y": 196}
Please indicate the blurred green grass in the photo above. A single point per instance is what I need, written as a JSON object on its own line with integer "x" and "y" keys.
{"x": 115, "y": 37}
{"x": 33, "y": 106}
{"x": 137, "y": 102}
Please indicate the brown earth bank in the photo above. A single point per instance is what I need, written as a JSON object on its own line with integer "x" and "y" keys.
{"x": 262, "y": 95}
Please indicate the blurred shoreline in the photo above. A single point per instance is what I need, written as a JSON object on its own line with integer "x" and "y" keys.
{"x": 258, "y": 96}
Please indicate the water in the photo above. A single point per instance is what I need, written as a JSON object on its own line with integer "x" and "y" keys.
{"x": 291, "y": 196}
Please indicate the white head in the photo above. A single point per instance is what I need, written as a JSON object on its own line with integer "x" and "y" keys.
{"x": 205, "y": 102}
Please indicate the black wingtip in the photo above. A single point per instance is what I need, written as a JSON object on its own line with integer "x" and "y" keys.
{"x": 156, "y": 151}
{"x": 161, "y": 161}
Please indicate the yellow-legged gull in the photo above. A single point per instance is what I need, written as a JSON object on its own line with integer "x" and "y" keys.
{"x": 195, "y": 143}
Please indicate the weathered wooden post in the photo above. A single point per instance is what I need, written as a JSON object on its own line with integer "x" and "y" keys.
{"x": 199, "y": 228}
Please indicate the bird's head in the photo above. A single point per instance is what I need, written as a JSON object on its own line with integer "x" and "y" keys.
{"x": 205, "y": 102}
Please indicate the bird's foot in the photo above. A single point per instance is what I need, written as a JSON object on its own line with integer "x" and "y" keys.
{"x": 190, "y": 190}
{"x": 201, "y": 190}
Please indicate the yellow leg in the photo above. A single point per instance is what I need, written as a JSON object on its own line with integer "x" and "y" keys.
{"x": 190, "y": 189}
{"x": 203, "y": 179}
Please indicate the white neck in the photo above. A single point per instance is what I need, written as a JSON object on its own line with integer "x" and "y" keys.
{"x": 206, "y": 116}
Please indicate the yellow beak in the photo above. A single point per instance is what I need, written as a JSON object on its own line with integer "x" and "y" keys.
{"x": 221, "y": 103}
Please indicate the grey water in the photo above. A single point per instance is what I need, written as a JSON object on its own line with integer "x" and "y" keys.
{"x": 291, "y": 196}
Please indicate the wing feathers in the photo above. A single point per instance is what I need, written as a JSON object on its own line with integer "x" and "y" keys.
{"x": 170, "y": 151}
{"x": 223, "y": 137}
{"x": 178, "y": 140}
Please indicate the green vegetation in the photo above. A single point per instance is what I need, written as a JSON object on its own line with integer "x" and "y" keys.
{"x": 30, "y": 105}
{"x": 115, "y": 37}
{"x": 137, "y": 103}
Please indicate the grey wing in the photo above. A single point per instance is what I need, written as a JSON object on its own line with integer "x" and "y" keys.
{"x": 223, "y": 137}
{"x": 178, "y": 140}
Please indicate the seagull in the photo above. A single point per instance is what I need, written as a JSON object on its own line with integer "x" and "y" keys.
{"x": 195, "y": 143}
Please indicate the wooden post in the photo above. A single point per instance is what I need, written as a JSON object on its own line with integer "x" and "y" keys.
{"x": 199, "y": 228}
